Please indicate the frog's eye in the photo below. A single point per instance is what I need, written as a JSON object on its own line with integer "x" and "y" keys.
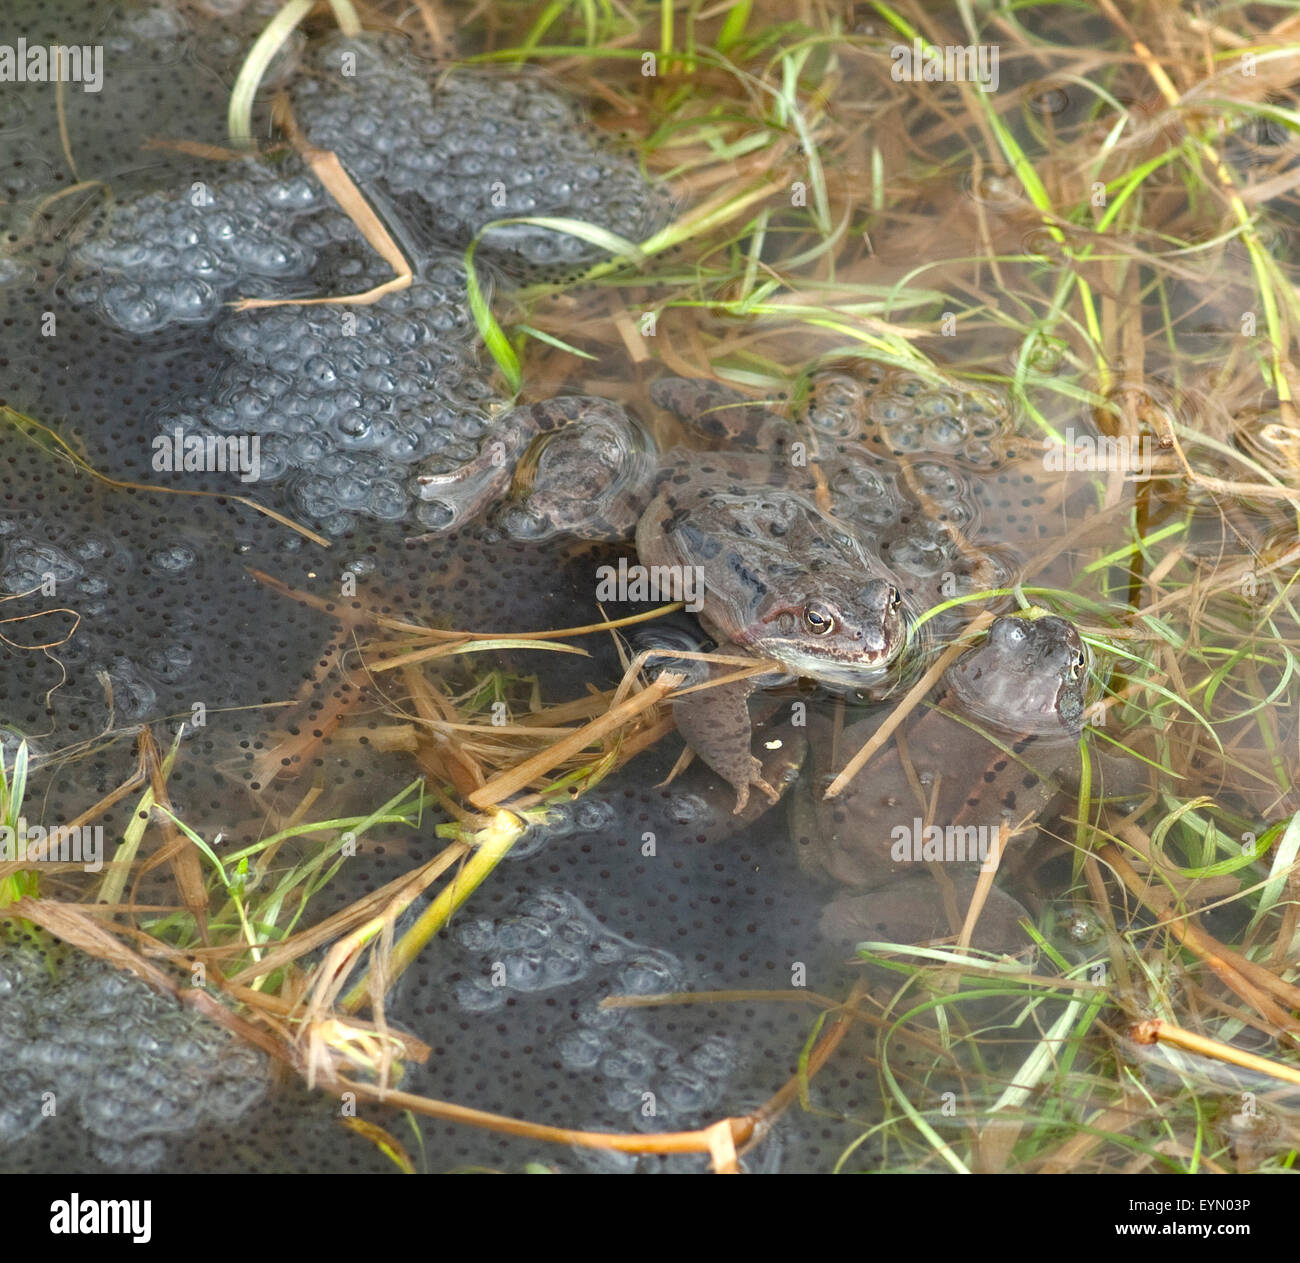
{"x": 895, "y": 598}
{"x": 1077, "y": 663}
{"x": 818, "y": 619}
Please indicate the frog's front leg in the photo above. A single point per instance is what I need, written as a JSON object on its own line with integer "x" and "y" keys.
{"x": 450, "y": 497}
{"x": 589, "y": 474}
{"x": 715, "y": 723}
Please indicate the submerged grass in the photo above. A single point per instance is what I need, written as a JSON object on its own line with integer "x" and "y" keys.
{"x": 13, "y": 789}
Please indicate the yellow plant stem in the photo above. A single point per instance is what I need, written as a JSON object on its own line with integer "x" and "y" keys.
{"x": 494, "y": 844}
{"x": 1157, "y": 1032}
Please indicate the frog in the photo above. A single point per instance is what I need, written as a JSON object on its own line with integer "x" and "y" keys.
{"x": 791, "y": 531}
{"x": 783, "y": 581}
{"x": 920, "y": 515}
{"x": 995, "y": 748}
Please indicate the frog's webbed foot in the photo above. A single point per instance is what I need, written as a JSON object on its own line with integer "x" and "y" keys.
{"x": 590, "y": 473}
{"x": 772, "y": 795}
{"x": 715, "y": 724}
{"x": 452, "y": 494}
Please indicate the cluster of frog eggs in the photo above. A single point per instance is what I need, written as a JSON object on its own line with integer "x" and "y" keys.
{"x": 930, "y": 547}
{"x": 920, "y": 546}
{"x": 911, "y": 414}
{"x": 173, "y": 258}
{"x": 138, "y": 1066}
{"x": 82, "y": 569}
{"x": 348, "y": 401}
{"x": 140, "y": 44}
{"x": 961, "y": 432}
{"x": 473, "y": 151}
{"x": 549, "y": 939}
{"x": 654, "y": 1085}
{"x": 344, "y": 400}
{"x": 587, "y": 814}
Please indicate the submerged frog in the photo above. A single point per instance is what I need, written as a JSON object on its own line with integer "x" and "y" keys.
{"x": 995, "y": 748}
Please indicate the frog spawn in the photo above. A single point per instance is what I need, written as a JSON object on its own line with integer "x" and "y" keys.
{"x": 472, "y": 151}
{"x": 349, "y": 402}
{"x": 563, "y": 821}
{"x": 550, "y": 941}
{"x": 723, "y": 915}
{"x": 175, "y": 257}
{"x": 82, "y": 573}
{"x": 118, "y": 588}
{"x": 475, "y": 150}
{"x": 906, "y": 415}
{"x": 987, "y": 495}
{"x": 345, "y": 402}
{"x": 138, "y": 1067}
{"x": 146, "y": 51}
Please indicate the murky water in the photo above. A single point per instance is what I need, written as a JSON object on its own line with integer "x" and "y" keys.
{"x": 225, "y": 532}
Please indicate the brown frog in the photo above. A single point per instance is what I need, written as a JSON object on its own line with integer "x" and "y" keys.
{"x": 783, "y": 582}
{"x": 786, "y": 541}
{"x": 779, "y": 579}
{"x": 996, "y": 747}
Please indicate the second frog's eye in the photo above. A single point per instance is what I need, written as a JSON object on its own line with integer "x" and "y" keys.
{"x": 818, "y": 619}
{"x": 1077, "y": 663}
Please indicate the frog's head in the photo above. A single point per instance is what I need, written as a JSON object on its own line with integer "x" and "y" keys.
{"x": 841, "y": 633}
{"x": 1029, "y": 675}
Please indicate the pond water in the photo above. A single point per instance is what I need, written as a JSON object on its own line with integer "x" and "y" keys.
{"x": 935, "y": 439}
